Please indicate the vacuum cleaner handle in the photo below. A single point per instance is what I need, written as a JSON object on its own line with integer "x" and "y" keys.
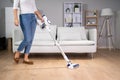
{"x": 46, "y": 25}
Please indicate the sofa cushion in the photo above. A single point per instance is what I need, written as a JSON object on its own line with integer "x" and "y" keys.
{"x": 77, "y": 43}
{"x": 65, "y": 43}
{"x": 70, "y": 37}
{"x": 43, "y": 34}
{"x": 38, "y": 43}
{"x": 71, "y": 33}
{"x": 83, "y": 33}
{"x": 43, "y": 43}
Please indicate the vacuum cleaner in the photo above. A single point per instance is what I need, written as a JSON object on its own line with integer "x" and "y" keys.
{"x": 46, "y": 24}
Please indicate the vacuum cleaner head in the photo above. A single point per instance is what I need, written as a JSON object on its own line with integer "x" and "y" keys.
{"x": 72, "y": 66}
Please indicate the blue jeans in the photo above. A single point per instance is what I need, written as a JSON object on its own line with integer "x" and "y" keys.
{"x": 28, "y": 26}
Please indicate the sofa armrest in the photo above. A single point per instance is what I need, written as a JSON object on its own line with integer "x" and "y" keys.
{"x": 17, "y": 35}
{"x": 92, "y": 34}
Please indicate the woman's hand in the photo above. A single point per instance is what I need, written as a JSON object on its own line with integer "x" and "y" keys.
{"x": 42, "y": 20}
{"x": 16, "y": 22}
{"x": 39, "y": 15}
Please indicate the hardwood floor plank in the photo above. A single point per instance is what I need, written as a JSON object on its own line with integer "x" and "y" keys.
{"x": 104, "y": 66}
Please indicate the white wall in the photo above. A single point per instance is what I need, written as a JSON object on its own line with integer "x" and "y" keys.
{"x": 54, "y": 9}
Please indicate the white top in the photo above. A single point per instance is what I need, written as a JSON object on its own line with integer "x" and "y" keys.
{"x": 25, "y": 6}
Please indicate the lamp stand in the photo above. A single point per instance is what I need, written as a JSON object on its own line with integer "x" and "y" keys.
{"x": 109, "y": 35}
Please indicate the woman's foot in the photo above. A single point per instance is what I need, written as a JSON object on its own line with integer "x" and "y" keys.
{"x": 16, "y": 57}
{"x": 28, "y": 62}
{"x": 26, "y": 59}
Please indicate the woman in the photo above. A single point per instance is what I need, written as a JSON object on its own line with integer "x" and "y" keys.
{"x": 27, "y": 22}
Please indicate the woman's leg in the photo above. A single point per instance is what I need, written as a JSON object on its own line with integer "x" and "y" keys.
{"x": 32, "y": 29}
{"x": 28, "y": 26}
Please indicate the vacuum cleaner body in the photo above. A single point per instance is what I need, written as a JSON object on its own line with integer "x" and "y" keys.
{"x": 46, "y": 25}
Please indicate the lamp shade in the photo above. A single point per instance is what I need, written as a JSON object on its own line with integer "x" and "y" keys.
{"x": 106, "y": 12}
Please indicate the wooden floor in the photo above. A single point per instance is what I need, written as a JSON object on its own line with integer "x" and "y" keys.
{"x": 104, "y": 66}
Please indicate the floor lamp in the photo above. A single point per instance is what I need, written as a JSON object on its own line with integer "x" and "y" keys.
{"x": 107, "y": 14}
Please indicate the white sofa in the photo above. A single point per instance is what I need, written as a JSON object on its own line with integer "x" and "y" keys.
{"x": 71, "y": 39}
